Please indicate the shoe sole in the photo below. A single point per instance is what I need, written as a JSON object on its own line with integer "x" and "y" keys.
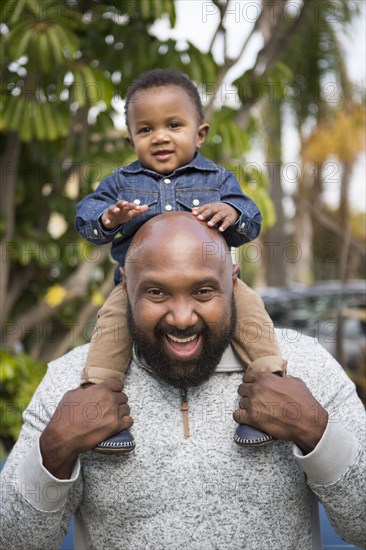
{"x": 114, "y": 450}
{"x": 252, "y": 443}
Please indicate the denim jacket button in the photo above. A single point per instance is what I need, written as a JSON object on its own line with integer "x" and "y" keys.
{"x": 95, "y": 231}
{"x": 168, "y": 207}
{"x": 195, "y": 202}
{"x": 137, "y": 201}
{"x": 167, "y": 180}
{"x": 242, "y": 225}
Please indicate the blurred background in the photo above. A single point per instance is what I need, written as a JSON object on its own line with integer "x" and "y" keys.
{"x": 283, "y": 85}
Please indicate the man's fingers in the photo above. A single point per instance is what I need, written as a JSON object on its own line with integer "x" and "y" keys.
{"x": 240, "y": 416}
{"x": 113, "y": 384}
{"x": 127, "y": 422}
{"x": 244, "y": 403}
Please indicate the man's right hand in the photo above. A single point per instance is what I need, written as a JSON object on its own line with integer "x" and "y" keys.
{"x": 83, "y": 418}
{"x": 121, "y": 212}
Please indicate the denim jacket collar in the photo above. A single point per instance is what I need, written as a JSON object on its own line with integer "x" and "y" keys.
{"x": 198, "y": 163}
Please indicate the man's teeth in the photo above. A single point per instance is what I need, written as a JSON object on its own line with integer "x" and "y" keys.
{"x": 182, "y": 340}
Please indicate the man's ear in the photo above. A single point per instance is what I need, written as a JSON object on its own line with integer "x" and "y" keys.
{"x": 235, "y": 276}
{"x": 202, "y": 134}
{"x": 128, "y": 138}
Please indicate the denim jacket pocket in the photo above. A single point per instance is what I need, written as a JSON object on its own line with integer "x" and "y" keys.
{"x": 139, "y": 196}
{"x": 188, "y": 198}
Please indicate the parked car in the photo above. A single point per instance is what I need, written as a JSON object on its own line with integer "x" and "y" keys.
{"x": 331, "y": 312}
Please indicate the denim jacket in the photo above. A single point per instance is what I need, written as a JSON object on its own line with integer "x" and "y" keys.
{"x": 199, "y": 182}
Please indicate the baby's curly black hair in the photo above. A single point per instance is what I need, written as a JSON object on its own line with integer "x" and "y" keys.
{"x": 155, "y": 78}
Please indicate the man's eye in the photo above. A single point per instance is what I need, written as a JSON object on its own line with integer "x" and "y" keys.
{"x": 155, "y": 292}
{"x": 205, "y": 292}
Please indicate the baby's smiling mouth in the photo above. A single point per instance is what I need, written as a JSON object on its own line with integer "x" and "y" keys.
{"x": 162, "y": 153}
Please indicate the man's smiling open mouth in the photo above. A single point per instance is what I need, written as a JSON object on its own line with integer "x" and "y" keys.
{"x": 183, "y": 348}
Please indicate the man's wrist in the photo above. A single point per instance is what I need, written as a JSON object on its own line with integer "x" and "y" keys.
{"x": 55, "y": 456}
{"x": 308, "y": 438}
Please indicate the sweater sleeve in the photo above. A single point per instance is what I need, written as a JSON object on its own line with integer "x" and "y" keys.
{"x": 36, "y": 507}
{"x": 335, "y": 469}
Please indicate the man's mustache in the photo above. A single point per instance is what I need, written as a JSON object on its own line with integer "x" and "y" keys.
{"x": 178, "y": 333}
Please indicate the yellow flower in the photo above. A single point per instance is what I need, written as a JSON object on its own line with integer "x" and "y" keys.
{"x": 97, "y": 298}
{"x": 55, "y": 295}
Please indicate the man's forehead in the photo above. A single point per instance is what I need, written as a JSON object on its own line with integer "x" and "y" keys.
{"x": 187, "y": 278}
{"x": 167, "y": 256}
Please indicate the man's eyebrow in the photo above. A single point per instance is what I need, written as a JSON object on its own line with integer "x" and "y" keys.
{"x": 160, "y": 283}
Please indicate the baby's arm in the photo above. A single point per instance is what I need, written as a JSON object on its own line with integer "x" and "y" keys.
{"x": 100, "y": 214}
{"x": 237, "y": 215}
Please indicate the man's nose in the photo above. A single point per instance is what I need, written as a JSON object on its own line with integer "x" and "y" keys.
{"x": 182, "y": 314}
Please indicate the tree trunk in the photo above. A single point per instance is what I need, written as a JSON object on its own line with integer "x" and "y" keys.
{"x": 274, "y": 238}
{"x": 344, "y": 221}
{"x": 9, "y": 159}
{"x": 303, "y": 232}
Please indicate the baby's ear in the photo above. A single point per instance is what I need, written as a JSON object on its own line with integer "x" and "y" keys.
{"x": 202, "y": 134}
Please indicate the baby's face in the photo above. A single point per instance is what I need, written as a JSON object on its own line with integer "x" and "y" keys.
{"x": 164, "y": 128}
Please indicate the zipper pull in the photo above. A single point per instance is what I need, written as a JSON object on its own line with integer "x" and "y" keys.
{"x": 184, "y": 409}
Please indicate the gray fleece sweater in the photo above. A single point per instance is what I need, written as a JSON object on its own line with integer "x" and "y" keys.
{"x": 200, "y": 493}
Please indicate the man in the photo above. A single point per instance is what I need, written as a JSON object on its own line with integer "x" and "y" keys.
{"x": 177, "y": 491}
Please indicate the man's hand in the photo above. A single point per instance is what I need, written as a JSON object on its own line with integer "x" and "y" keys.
{"x": 121, "y": 212}
{"x": 217, "y": 212}
{"x": 283, "y": 407}
{"x": 83, "y": 418}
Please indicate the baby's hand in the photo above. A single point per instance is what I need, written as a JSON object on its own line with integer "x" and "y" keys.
{"x": 217, "y": 212}
{"x": 121, "y": 212}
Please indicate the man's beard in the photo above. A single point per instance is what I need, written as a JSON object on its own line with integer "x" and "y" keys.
{"x": 183, "y": 374}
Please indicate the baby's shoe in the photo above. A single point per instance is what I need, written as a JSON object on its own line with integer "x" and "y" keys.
{"x": 121, "y": 442}
{"x": 248, "y": 436}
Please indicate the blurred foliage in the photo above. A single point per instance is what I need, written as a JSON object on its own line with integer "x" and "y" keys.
{"x": 19, "y": 378}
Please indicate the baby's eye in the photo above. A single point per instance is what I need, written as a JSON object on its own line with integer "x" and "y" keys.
{"x": 175, "y": 125}
{"x": 144, "y": 130}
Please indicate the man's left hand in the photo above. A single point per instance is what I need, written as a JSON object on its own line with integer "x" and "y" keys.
{"x": 283, "y": 407}
{"x": 219, "y": 213}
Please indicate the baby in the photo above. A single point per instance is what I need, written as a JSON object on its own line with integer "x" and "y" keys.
{"x": 164, "y": 118}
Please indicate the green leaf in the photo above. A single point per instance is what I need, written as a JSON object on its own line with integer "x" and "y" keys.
{"x": 25, "y": 129}
{"x": 45, "y": 52}
{"x": 39, "y": 130}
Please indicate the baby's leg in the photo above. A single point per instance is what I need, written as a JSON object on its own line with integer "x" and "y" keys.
{"x": 255, "y": 341}
{"x": 109, "y": 356}
{"x": 111, "y": 344}
{"x": 256, "y": 345}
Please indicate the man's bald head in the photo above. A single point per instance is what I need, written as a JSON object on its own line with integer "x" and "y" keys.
{"x": 176, "y": 238}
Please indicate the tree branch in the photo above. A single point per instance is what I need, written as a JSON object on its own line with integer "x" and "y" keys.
{"x": 75, "y": 286}
{"x": 332, "y": 226}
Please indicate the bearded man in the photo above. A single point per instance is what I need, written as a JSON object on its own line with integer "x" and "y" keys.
{"x": 187, "y": 484}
